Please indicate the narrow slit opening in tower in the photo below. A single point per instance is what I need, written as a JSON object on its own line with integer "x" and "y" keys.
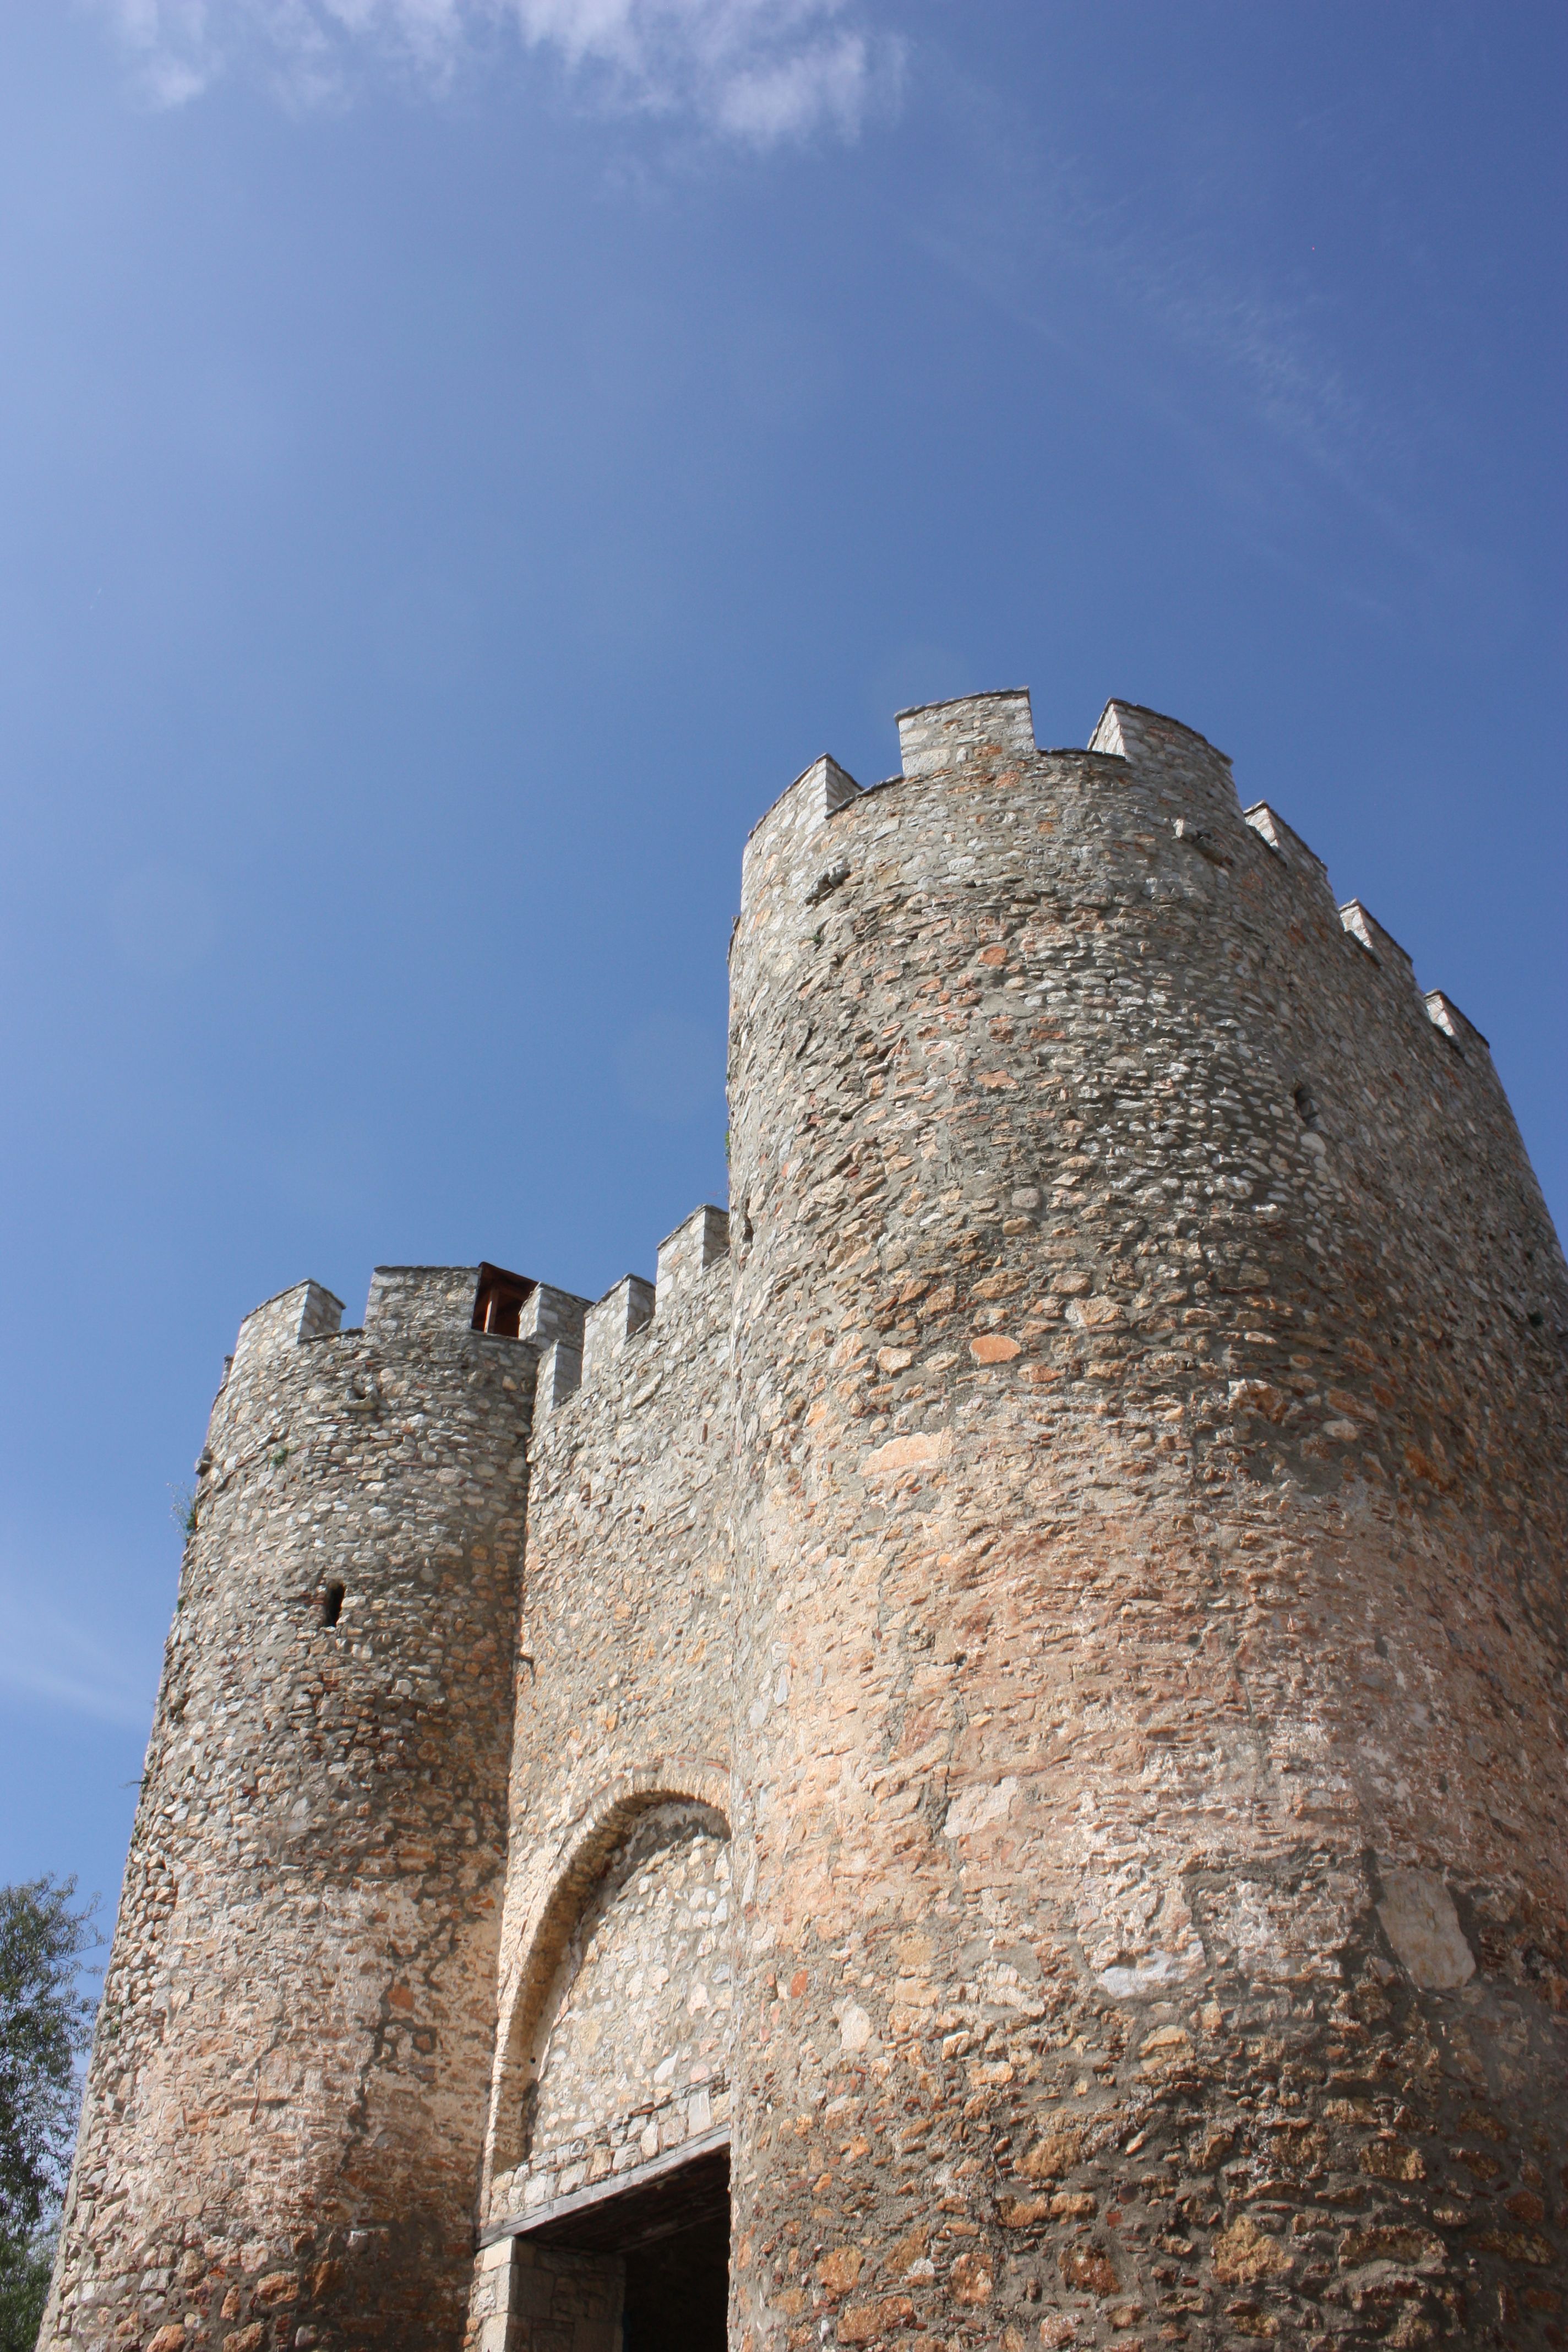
{"x": 332, "y": 1605}
{"x": 671, "y": 2232}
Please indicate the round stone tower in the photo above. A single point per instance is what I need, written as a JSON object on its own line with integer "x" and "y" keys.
{"x": 1148, "y": 1756}
{"x": 286, "y": 2106}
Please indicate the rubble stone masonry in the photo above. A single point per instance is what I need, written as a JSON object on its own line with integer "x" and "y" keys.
{"x": 1021, "y": 1684}
{"x": 285, "y": 2112}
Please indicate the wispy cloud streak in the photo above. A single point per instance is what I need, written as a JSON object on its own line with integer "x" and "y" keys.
{"x": 759, "y": 72}
{"x": 1166, "y": 315}
{"x": 47, "y": 1657}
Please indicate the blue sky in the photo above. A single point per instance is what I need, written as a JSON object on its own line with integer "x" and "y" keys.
{"x": 460, "y": 458}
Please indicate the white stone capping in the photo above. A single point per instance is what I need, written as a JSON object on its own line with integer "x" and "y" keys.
{"x": 1381, "y": 945}
{"x": 614, "y": 1319}
{"x": 1285, "y": 841}
{"x": 1446, "y": 1015}
{"x": 306, "y": 1312}
{"x": 685, "y": 1255}
{"x": 936, "y": 735}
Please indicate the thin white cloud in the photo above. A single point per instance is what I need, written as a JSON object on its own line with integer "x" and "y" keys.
{"x": 758, "y": 73}
{"x": 1037, "y": 227}
{"x": 49, "y": 1657}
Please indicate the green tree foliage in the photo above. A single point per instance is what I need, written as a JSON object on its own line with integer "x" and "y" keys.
{"x": 45, "y": 2027}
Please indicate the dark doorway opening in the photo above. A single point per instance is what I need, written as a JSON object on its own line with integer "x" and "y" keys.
{"x": 678, "y": 2291}
{"x": 672, "y": 2232}
{"x": 500, "y": 1299}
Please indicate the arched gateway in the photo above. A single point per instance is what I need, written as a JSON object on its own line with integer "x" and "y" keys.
{"x": 609, "y": 2159}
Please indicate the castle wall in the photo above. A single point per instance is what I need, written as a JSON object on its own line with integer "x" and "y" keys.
{"x": 284, "y": 2117}
{"x": 1032, "y": 1698}
{"x": 1149, "y": 1794}
{"x": 622, "y": 1736}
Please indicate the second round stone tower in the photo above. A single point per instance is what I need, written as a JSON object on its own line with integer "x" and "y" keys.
{"x": 286, "y": 2106}
{"x": 1147, "y": 1787}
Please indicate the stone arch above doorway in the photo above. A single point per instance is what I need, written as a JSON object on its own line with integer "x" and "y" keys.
{"x": 618, "y": 2048}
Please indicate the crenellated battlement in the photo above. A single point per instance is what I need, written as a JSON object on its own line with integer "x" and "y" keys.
{"x": 305, "y": 1311}
{"x": 1446, "y": 1015}
{"x": 634, "y": 1306}
{"x": 1380, "y": 944}
{"x": 691, "y": 1250}
{"x": 626, "y": 1308}
{"x": 421, "y": 1302}
{"x": 411, "y": 1305}
{"x": 808, "y": 847}
{"x": 936, "y": 737}
{"x": 801, "y": 847}
{"x": 1129, "y": 730}
{"x": 1289, "y": 846}
{"x": 564, "y": 1342}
